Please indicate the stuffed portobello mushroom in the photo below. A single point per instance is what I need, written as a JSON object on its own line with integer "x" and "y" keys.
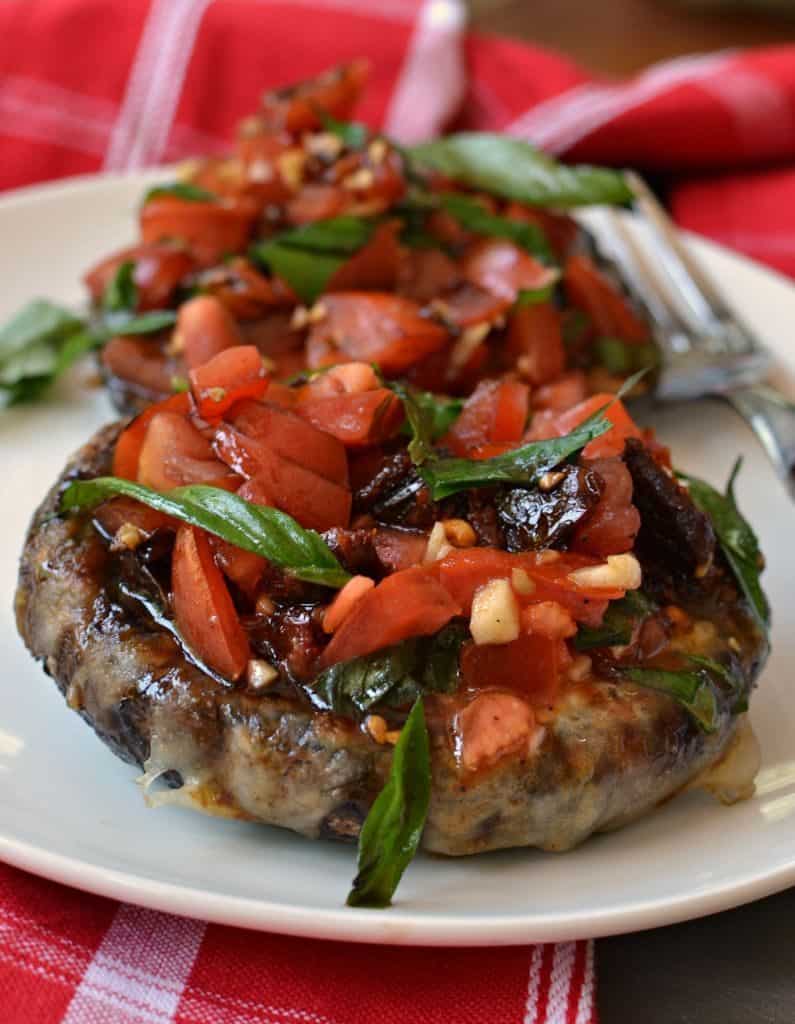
{"x": 383, "y": 555}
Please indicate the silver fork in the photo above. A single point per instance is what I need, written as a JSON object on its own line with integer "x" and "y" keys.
{"x": 706, "y": 349}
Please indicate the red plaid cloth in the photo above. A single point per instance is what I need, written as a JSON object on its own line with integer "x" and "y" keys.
{"x": 89, "y": 85}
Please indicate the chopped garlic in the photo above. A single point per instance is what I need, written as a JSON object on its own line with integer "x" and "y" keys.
{"x": 377, "y": 151}
{"x": 127, "y": 538}
{"x": 495, "y": 614}
{"x": 619, "y": 572}
{"x": 580, "y": 668}
{"x": 521, "y": 582}
{"x": 466, "y": 345}
{"x": 260, "y": 674}
{"x": 359, "y": 180}
{"x": 436, "y": 541}
{"x": 291, "y": 168}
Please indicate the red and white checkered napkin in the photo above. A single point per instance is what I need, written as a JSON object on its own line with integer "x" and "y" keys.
{"x": 67, "y": 956}
{"x": 88, "y": 85}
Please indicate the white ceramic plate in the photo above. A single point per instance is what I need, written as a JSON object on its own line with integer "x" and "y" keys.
{"x": 69, "y": 810}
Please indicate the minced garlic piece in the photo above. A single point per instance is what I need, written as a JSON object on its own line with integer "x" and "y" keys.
{"x": 495, "y": 614}
{"x": 620, "y": 572}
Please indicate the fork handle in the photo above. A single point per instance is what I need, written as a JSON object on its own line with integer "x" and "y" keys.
{"x": 771, "y": 416}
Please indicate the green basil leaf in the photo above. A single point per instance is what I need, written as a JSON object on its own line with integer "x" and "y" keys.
{"x": 265, "y": 531}
{"x": 420, "y": 421}
{"x": 393, "y": 828}
{"x": 307, "y": 256}
{"x": 524, "y": 466}
{"x": 392, "y": 677}
{"x": 36, "y": 345}
{"x": 38, "y": 323}
{"x": 618, "y": 623}
{"x": 121, "y": 292}
{"x": 690, "y": 689}
{"x": 534, "y": 296}
{"x": 471, "y": 215}
{"x": 516, "y": 170}
{"x": 145, "y": 323}
{"x": 736, "y": 537}
{"x": 438, "y": 412}
{"x": 181, "y": 190}
{"x": 353, "y": 134}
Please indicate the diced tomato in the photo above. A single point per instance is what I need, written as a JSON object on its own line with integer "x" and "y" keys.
{"x": 427, "y": 274}
{"x": 141, "y": 364}
{"x": 300, "y": 108}
{"x": 590, "y": 290}
{"x": 205, "y": 328}
{"x": 113, "y": 514}
{"x": 244, "y": 568}
{"x": 174, "y": 454}
{"x": 128, "y": 447}
{"x": 232, "y": 375}
{"x": 399, "y": 549}
{"x": 158, "y": 270}
{"x": 356, "y": 419}
{"x": 611, "y": 527}
{"x": 548, "y": 619}
{"x": 569, "y": 389}
{"x": 375, "y": 266}
{"x": 315, "y": 502}
{"x": 244, "y": 291}
{"x": 494, "y": 414}
{"x": 292, "y": 437}
{"x": 205, "y": 615}
{"x": 278, "y": 342}
{"x": 610, "y": 443}
{"x": 463, "y": 571}
{"x": 469, "y": 305}
{"x": 502, "y": 268}
{"x": 405, "y": 604}
{"x": 373, "y": 327}
{"x": 210, "y": 230}
{"x": 534, "y": 336}
{"x": 529, "y": 666}
{"x": 345, "y": 601}
{"x": 317, "y": 202}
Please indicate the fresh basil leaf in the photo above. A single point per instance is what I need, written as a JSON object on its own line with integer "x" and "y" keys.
{"x": 618, "y": 623}
{"x": 36, "y": 345}
{"x": 392, "y": 677}
{"x": 181, "y": 190}
{"x": 353, "y": 134}
{"x": 265, "y": 531}
{"x": 734, "y": 685}
{"x": 524, "y": 466}
{"x": 393, "y": 828}
{"x": 534, "y": 296}
{"x": 145, "y": 323}
{"x": 307, "y": 256}
{"x": 736, "y": 537}
{"x": 439, "y": 412}
{"x": 516, "y": 170}
{"x": 693, "y": 690}
{"x": 420, "y": 421}
{"x": 39, "y": 322}
{"x": 121, "y": 292}
{"x": 471, "y": 215}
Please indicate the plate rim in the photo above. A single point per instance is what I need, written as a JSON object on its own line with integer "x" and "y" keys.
{"x": 395, "y": 926}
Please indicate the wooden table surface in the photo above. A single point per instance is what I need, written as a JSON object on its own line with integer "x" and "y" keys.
{"x": 737, "y": 967}
{"x": 621, "y": 36}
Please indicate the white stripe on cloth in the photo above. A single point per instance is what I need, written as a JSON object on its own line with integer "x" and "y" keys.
{"x": 31, "y": 109}
{"x": 585, "y": 1008}
{"x": 432, "y": 80}
{"x": 759, "y": 106}
{"x": 139, "y": 971}
{"x": 561, "y": 121}
{"x": 534, "y": 985}
{"x": 155, "y": 83}
{"x": 560, "y": 983}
